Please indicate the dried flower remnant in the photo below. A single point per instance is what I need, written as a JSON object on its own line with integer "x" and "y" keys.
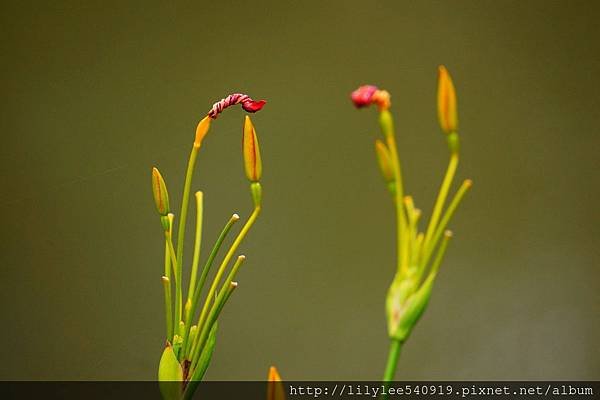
{"x": 247, "y": 103}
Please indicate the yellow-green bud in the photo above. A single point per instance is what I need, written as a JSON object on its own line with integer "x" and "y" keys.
{"x": 159, "y": 190}
{"x": 405, "y": 304}
{"x": 384, "y": 159}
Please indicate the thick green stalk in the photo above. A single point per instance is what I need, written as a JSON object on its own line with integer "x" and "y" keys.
{"x": 392, "y": 362}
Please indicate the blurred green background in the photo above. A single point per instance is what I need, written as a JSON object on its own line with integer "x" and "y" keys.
{"x": 96, "y": 93}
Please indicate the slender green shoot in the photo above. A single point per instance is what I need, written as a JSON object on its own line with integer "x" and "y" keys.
{"x": 441, "y": 198}
{"x": 225, "y": 262}
{"x": 181, "y": 228}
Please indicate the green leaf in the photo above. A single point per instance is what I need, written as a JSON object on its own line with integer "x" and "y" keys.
{"x": 170, "y": 375}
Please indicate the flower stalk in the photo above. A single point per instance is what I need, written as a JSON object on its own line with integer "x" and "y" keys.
{"x": 189, "y": 346}
{"x": 410, "y": 290}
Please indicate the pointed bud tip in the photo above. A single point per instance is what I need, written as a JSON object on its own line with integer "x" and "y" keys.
{"x": 446, "y": 99}
{"x": 202, "y": 130}
{"x": 235, "y": 217}
{"x": 160, "y": 193}
{"x": 251, "y": 151}
{"x": 274, "y": 375}
{"x": 241, "y": 257}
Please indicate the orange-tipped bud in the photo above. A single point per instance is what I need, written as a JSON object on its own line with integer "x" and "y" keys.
{"x": 446, "y": 99}
{"x": 275, "y": 390}
{"x": 385, "y": 161}
{"x": 201, "y": 130}
{"x": 252, "y": 160}
{"x": 159, "y": 190}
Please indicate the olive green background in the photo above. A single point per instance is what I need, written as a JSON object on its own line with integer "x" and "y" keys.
{"x": 96, "y": 93}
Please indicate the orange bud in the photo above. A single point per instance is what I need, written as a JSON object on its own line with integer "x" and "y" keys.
{"x": 201, "y": 130}
{"x": 275, "y": 390}
{"x": 446, "y": 99}
{"x": 251, "y": 151}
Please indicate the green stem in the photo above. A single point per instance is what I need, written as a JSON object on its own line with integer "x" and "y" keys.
{"x": 166, "y": 279}
{"x": 387, "y": 126}
{"x": 168, "y": 311}
{"x": 181, "y": 228}
{"x": 441, "y": 198}
{"x": 197, "y": 243}
{"x": 215, "y": 250}
{"x": 224, "y": 264}
{"x": 212, "y": 317}
{"x": 392, "y": 362}
{"x": 466, "y": 185}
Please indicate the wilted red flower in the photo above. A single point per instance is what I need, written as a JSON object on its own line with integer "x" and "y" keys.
{"x": 368, "y": 94}
{"x": 248, "y": 104}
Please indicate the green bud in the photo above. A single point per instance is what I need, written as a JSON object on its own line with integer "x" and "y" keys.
{"x": 170, "y": 375}
{"x": 405, "y": 304}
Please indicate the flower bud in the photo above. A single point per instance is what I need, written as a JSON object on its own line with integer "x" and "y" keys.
{"x": 446, "y": 101}
{"x": 251, "y": 151}
{"x": 159, "y": 190}
{"x": 275, "y": 389}
{"x": 170, "y": 375}
{"x": 201, "y": 131}
{"x": 384, "y": 160}
{"x": 405, "y": 303}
